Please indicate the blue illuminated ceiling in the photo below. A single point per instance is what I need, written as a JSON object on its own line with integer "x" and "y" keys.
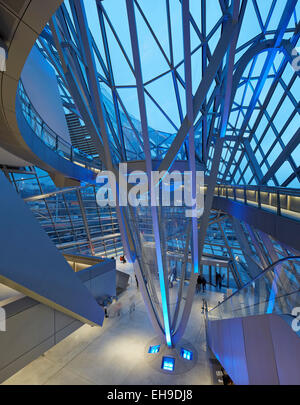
{"x": 262, "y": 134}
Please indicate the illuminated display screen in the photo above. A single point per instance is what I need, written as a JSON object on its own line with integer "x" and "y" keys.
{"x": 168, "y": 364}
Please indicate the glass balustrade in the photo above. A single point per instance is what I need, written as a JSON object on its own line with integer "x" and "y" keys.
{"x": 49, "y": 137}
{"x": 281, "y": 201}
{"x": 276, "y": 290}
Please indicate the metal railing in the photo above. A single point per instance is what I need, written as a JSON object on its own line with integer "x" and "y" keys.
{"x": 282, "y": 201}
{"x": 75, "y": 223}
{"x": 51, "y": 138}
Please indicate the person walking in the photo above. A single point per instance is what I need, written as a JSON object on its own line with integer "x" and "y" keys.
{"x": 132, "y": 305}
{"x": 118, "y": 307}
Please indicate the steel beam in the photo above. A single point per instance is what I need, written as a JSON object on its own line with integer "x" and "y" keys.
{"x": 288, "y": 11}
{"x": 235, "y": 25}
{"x": 191, "y": 134}
{"x": 201, "y": 92}
{"x": 155, "y": 223}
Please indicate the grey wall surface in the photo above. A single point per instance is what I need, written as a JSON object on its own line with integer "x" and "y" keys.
{"x": 100, "y": 279}
{"x": 33, "y": 328}
{"x": 44, "y": 94}
{"x": 122, "y": 280}
{"x": 257, "y": 350}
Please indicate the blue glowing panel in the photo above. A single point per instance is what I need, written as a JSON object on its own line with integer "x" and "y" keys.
{"x": 186, "y": 354}
{"x": 154, "y": 349}
{"x": 168, "y": 364}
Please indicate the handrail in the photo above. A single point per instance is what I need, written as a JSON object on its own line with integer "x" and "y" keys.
{"x": 54, "y": 193}
{"x": 256, "y": 278}
{"x": 71, "y": 189}
{"x": 55, "y": 141}
{"x": 284, "y": 201}
{"x": 267, "y": 189}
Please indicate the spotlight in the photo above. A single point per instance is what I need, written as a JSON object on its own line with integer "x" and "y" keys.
{"x": 186, "y": 354}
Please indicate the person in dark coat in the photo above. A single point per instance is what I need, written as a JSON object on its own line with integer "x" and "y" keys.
{"x": 219, "y": 280}
{"x": 203, "y": 284}
{"x": 199, "y": 282}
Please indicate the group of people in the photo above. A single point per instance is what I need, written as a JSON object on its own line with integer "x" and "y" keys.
{"x": 201, "y": 281}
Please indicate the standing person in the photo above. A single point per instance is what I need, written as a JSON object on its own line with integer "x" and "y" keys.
{"x": 218, "y": 280}
{"x": 137, "y": 281}
{"x": 174, "y": 272}
{"x": 199, "y": 282}
{"x": 203, "y": 283}
{"x": 105, "y": 311}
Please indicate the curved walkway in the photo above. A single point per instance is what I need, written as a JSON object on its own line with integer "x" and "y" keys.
{"x": 275, "y": 211}
{"x": 24, "y": 24}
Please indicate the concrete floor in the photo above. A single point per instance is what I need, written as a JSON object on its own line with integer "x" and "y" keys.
{"x": 114, "y": 354}
{"x": 8, "y": 294}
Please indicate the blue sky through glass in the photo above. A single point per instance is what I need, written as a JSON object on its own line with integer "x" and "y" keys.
{"x": 165, "y": 111}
